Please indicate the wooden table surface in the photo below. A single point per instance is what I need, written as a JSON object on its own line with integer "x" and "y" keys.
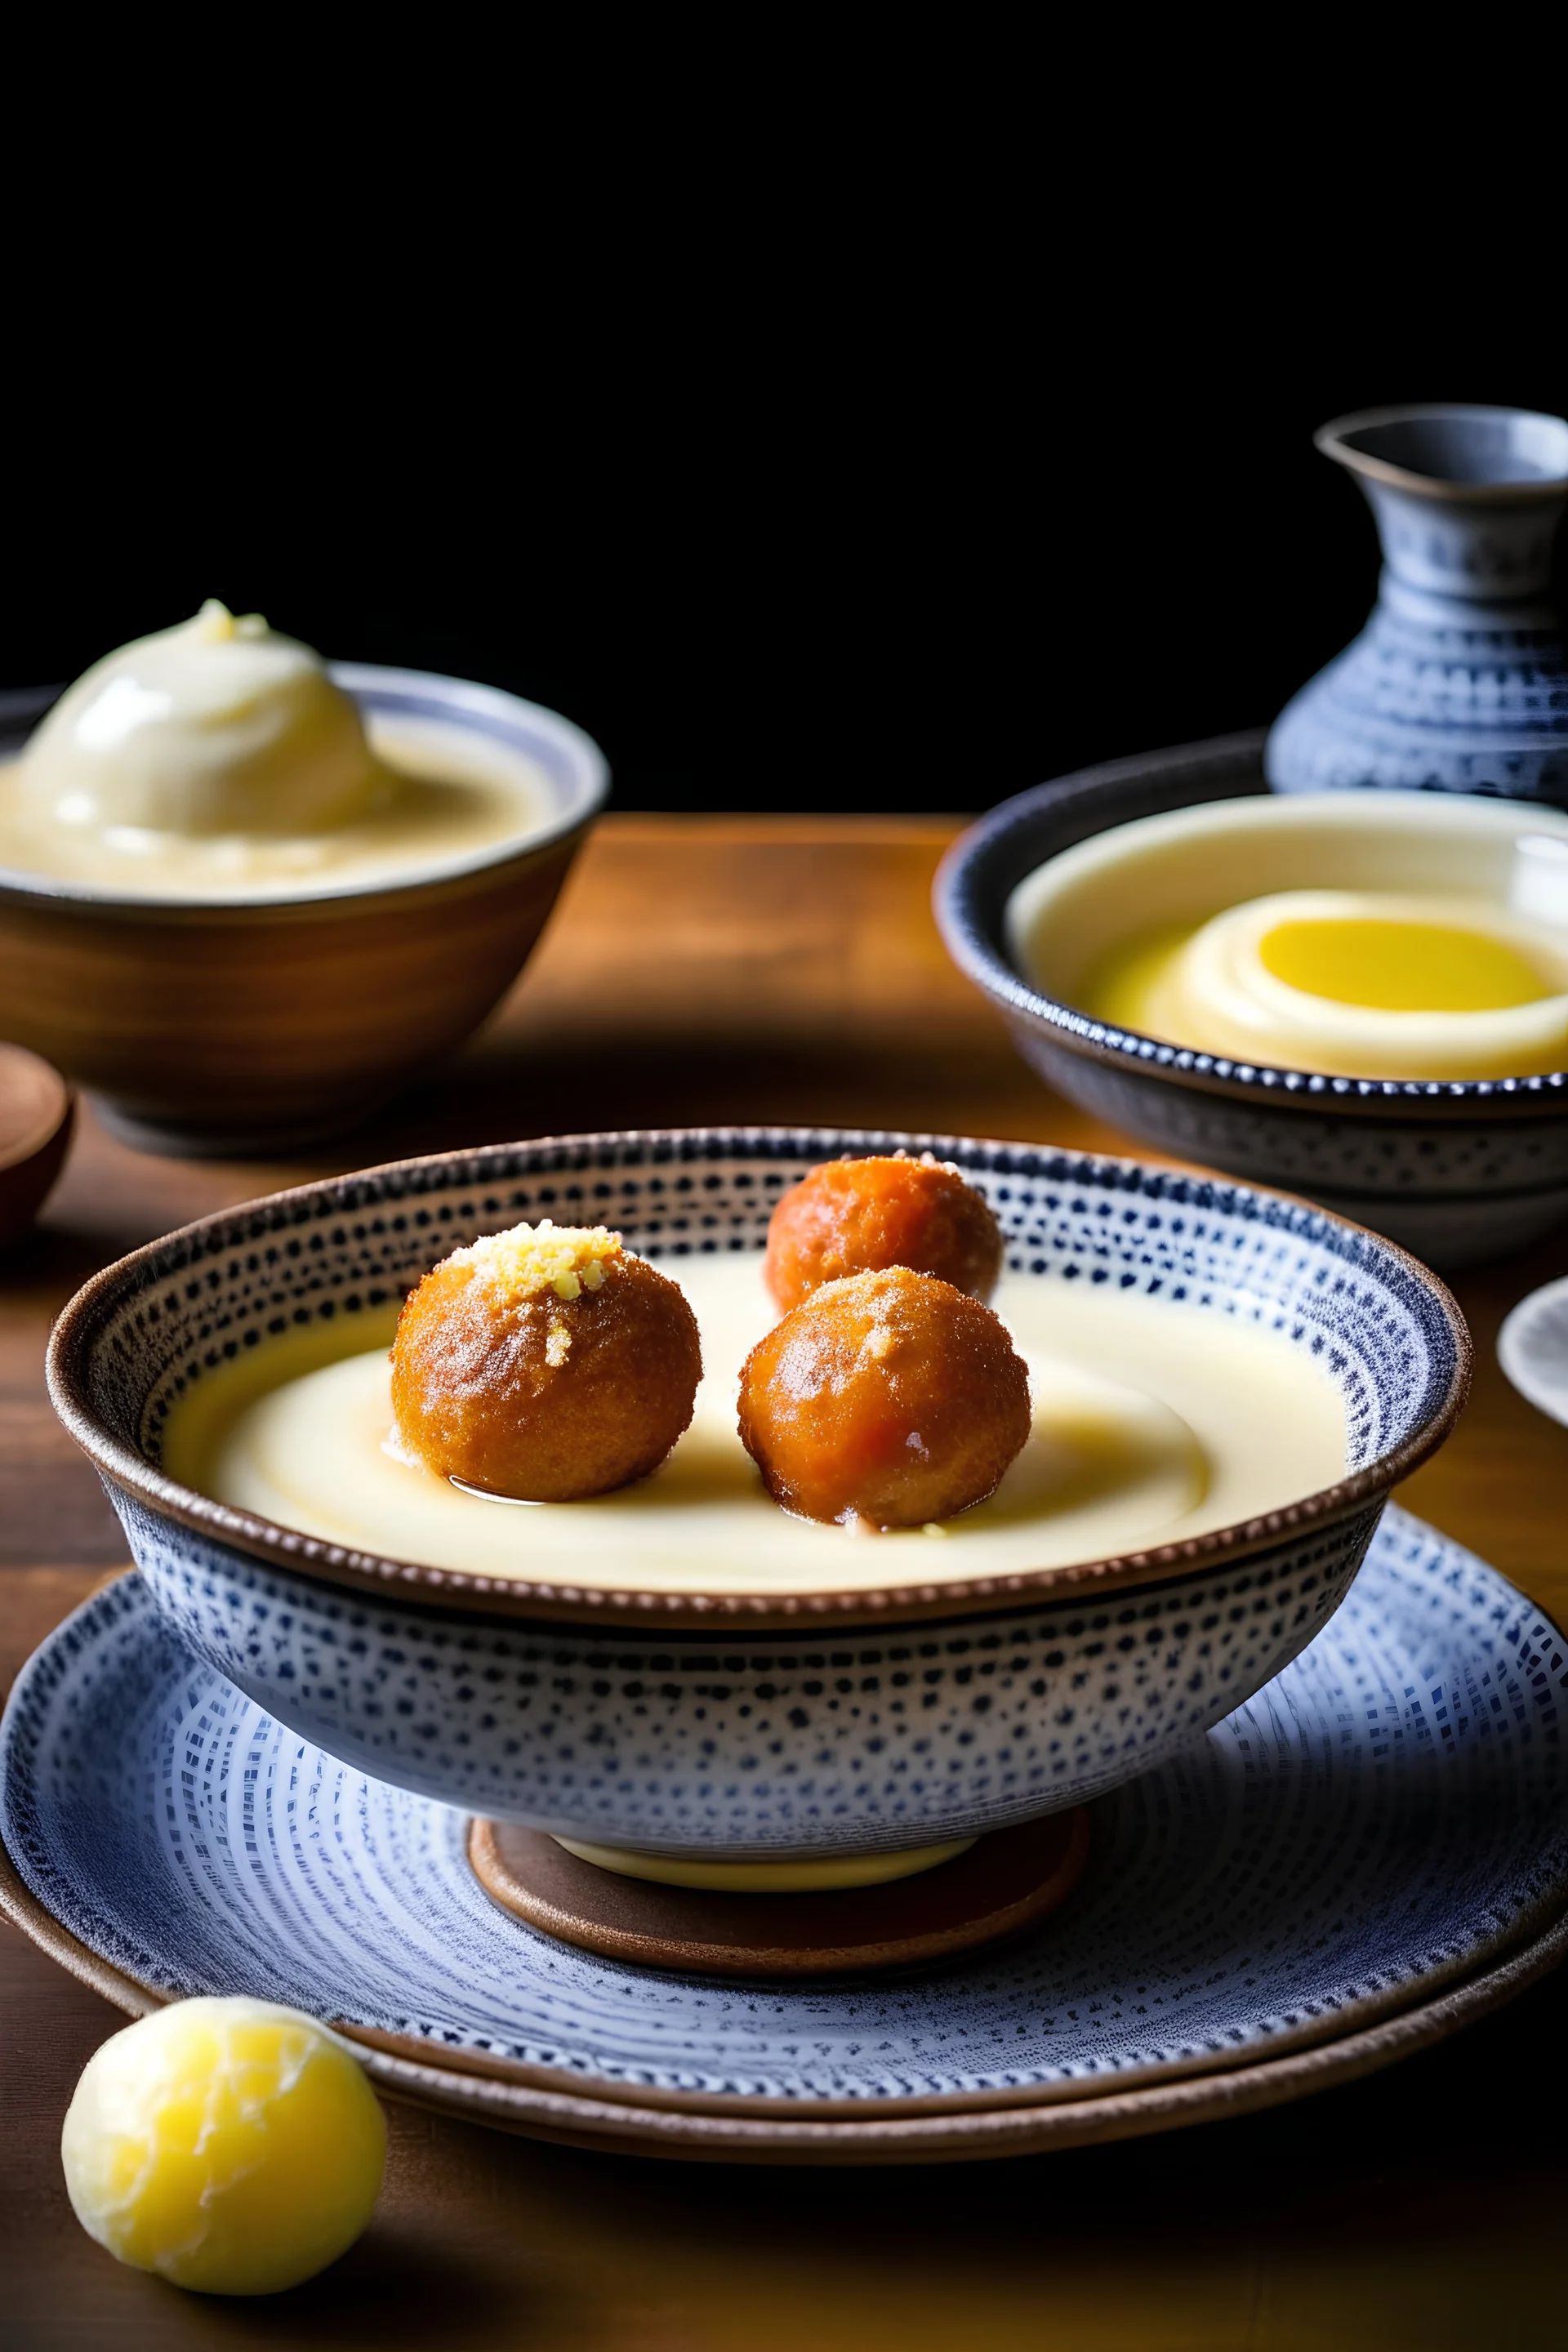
{"x": 769, "y": 969}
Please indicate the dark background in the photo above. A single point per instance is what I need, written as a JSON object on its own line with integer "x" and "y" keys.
{"x": 891, "y": 513}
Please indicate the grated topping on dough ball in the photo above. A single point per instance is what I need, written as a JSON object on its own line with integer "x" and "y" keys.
{"x": 527, "y": 1259}
{"x": 547, "y": 1363}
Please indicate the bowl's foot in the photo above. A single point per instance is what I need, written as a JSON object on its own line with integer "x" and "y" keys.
{"x": 994, "y": 1887}
{"x": 173, "y": 1142}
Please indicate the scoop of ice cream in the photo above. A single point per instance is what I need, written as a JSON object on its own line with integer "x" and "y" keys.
{"x": 229, "y": 2145}
{"x": 220, "y": 726}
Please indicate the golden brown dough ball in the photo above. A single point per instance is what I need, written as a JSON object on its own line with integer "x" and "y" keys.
{"x": 546, "y": 1362}
{"x": 891, "y": 1398}
{"x": 852, "y": 1216}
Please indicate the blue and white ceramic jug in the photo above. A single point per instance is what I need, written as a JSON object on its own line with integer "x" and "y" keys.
{"x": 1459, "y": 681}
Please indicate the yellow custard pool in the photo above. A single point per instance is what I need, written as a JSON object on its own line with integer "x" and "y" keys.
{"x": 1420, "y": 937}
{"x": 1153, "y": 1421}
{"x": 1355, "y": 982}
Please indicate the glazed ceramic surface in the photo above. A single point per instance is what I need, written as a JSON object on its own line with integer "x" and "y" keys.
{"x": 1532, "y": 1348}
{"x": 1458, "y": 1170}
{"x": 230, "y": 1026}
{"x": 1387, "y": 1817}
{"x": 1459, "y": 681}
{"x": 754, "y": 1748}
{"x": 858, "y": 1721}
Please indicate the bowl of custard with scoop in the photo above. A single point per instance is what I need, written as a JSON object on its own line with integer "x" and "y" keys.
{"x": 245, "y": 894}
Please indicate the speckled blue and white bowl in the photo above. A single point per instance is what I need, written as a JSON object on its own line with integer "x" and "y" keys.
{"x": 1456, "y": 1169}
{"x": 805, "y": 1724}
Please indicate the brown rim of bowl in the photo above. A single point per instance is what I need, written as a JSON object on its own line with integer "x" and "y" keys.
{"x": 314, "y": 1558}
{"x": 22, "y": 888}
{"x": 458, "y": 878}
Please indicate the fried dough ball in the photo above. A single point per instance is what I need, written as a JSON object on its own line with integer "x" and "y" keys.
{"x": 852, "y": 1216}
{"x": 546, "y": 1363}
{"x": 889, "y": 1398}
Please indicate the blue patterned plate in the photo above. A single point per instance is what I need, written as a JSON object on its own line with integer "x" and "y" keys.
{"x": 1378, "y": 1831}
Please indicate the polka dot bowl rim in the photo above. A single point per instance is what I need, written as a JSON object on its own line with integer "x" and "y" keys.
{"x": 136, "y": 1473}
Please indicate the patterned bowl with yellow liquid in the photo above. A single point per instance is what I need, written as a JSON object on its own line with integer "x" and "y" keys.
{"x": 1363, "y": 998}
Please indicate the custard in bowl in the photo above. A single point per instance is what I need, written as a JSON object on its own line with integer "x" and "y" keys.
{"x": 1224, "y": 1387}
{"x": 1381, "y": 943}
{"x": 244, "y": 894}
{"x": 1361, "y": 996}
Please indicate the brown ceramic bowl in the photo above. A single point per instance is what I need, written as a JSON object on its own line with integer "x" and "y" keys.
{"x": 36, "y": 1112}
{"x": 210, "y": 1026}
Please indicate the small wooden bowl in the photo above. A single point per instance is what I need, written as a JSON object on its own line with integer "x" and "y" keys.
{"x": 37, "y": 1114}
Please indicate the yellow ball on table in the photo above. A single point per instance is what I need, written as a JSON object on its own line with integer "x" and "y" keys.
{"x": 229, "y": 2145}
